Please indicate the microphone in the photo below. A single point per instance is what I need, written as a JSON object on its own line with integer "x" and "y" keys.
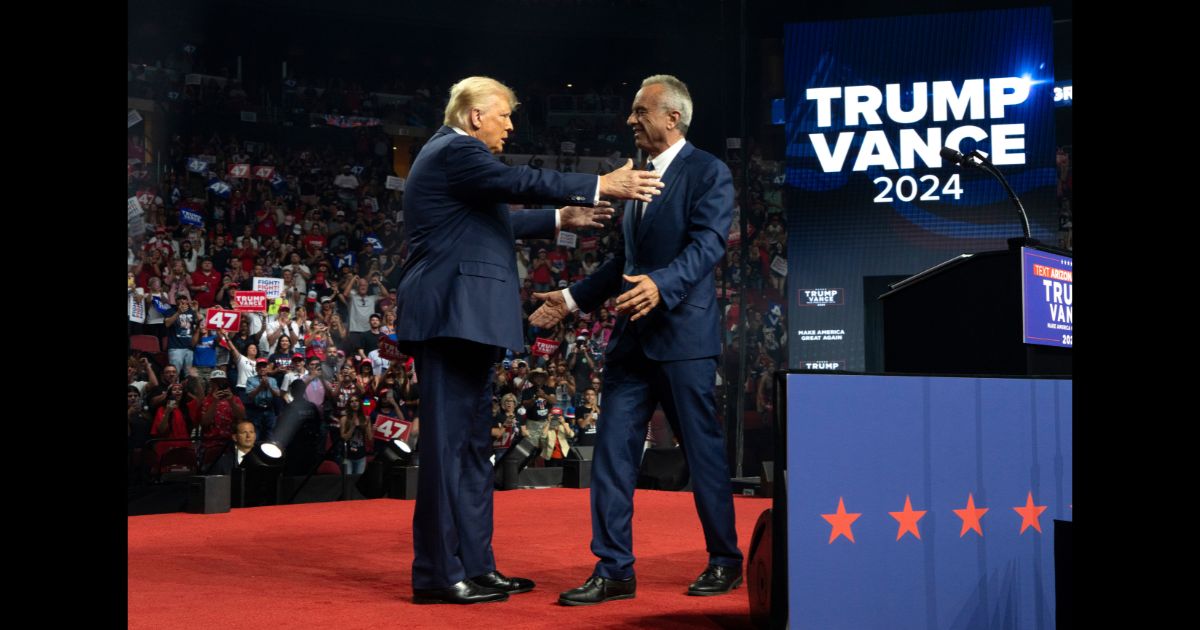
{"x": 972, "y": 160}
{"x": 975, "y": 159}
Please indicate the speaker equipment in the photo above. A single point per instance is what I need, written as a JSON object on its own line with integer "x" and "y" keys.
{"x": 664, "y": 469}
{"x": 508, "y": 468}
{"x": 540, "y": 477}
{"x": 582, "y": 453}
{"x": 577, "y": 473}
{"x": 402, "y": 482}
{"x": 208, "y": 494}
{"x": 256, "y": 486}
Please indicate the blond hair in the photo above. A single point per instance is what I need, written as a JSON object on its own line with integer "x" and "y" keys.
{"x": 473, "y": 93}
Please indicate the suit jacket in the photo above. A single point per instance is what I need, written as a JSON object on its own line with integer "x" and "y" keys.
{"x": 226, "y": 463}
{"x": 460, "y": 278}
{"x": 678, "y": 244}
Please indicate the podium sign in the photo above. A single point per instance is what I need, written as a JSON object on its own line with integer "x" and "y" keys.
{"x": 1046, "y": 296}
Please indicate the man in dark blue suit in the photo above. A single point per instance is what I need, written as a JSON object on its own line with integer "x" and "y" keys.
{"x": 663, "y": 348}
{"x": 458, "y": 307}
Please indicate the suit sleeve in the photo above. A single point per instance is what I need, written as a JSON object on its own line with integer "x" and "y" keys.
{"x": 708, "y": 228}
{"x": 533, "y": 223}
{"x": 604, "y": 282}
{"x": 472, "y": 172}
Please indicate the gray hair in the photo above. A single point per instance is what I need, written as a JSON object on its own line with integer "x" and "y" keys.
{"x": 675, "y": 97}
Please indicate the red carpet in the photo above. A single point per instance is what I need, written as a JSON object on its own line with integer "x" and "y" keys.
{"x": 347, "y": 565}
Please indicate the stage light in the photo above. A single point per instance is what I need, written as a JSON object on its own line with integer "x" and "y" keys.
{"x": 508, "y": 468}
{"x": 264, "y": 455}
{"x": 256, "y": 482}
{"x": 397, "y": 452}
{"x": 390, "y": 474}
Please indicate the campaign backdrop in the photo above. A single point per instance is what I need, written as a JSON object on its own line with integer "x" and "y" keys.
{"x": 869, "y": 105}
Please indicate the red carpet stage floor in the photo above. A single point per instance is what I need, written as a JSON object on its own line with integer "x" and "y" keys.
{"x": 347, "y": 565}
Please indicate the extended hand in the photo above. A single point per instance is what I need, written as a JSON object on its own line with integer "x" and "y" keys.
{"x": 626, "y": 183}
{"x": 639, "y": 299}
{"x": 552, "y": 311}
{"x": 578, "y": 217}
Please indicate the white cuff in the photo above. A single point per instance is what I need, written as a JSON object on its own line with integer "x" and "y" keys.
{"x": 596, "y": 197}
{"x": 571, "y": 305}
{"x": 557, "y": 219}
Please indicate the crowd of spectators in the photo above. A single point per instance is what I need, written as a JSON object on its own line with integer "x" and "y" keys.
{"x": 590, "y": 118}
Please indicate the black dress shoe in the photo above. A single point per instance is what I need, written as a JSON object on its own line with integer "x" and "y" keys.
{"x": 598, "y": 590}
{"x": 496, "y": 580}
{"x": 465, "y": 592}
{"x": 716, "y": 580}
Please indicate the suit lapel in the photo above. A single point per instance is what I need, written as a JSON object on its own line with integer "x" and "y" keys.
{"x": 669, "y": 192}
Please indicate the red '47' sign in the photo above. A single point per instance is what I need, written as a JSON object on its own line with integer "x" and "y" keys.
{"x": 250, "y": 301}
{"x": 224, "y": 320}
{"x": 389, "y": 428}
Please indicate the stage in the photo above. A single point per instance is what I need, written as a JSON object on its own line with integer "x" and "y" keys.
{"x": 347, "y": 564}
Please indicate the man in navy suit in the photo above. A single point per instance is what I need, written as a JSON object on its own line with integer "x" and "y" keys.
{"x": 663, "y": 348}
{"x": 458, "y": 307}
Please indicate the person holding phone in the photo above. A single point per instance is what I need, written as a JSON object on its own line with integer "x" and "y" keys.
{"x": 219, "y": 411}
{"x": 168, "y": 424}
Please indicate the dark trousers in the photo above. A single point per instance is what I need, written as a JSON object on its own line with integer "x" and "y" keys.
{"x": 452, "y": 524}
{"x": 633, "y": 386}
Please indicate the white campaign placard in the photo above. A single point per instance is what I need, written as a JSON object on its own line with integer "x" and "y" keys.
{"x": 272, "y": 286}
{"x": 779, "y": 266}
{"x": 394, "y": 183}
{"x": 567, "y": 239}
{"x": 133, "y": 208}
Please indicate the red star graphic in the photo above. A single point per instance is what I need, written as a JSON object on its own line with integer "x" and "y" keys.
{"x": 841, "y": 522}
{"x": 908, "y": 520}
{"x": 1029, "y": 514}
{"x": 970, "y": 516}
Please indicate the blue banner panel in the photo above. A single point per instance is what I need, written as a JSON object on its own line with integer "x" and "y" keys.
{"x": 869, "y": 105}
{"x": 1047, "y": 289}
{"x": 925, "y": 502}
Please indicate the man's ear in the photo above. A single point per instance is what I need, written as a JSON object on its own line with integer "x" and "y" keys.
{"x": 674, "y": 117}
